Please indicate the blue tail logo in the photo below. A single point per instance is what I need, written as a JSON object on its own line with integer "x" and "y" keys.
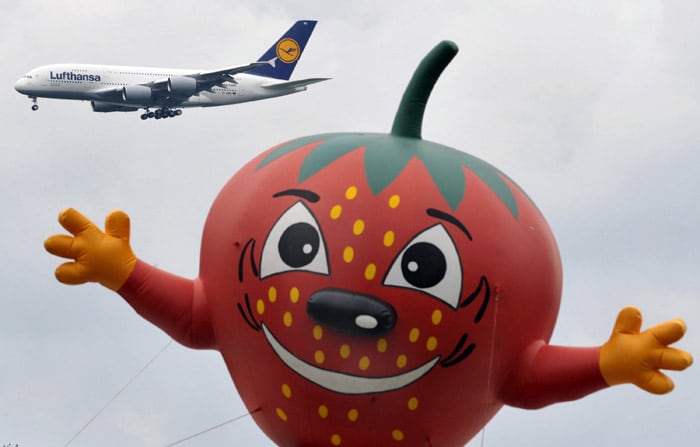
{"x": 287, "y": 50}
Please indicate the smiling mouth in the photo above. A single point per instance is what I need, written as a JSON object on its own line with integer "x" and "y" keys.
{"x": 346, "y": 383}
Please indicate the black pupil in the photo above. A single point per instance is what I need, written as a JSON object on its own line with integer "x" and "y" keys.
{"x": 423, "y": 265}
{"x": 299, "y": 244}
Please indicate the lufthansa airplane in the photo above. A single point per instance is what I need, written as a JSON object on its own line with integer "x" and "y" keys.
{"x": 126, "y": 89}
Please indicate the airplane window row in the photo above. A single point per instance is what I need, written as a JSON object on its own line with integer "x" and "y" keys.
{"x": 142, "y": 74}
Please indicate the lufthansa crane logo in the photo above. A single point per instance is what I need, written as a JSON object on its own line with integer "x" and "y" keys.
{"x": 288, "y": 50}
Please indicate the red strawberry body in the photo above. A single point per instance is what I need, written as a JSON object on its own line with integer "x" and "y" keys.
{"x": 510, "y": 264}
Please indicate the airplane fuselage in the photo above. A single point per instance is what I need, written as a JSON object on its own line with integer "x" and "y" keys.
{"x": 86, "y": 81}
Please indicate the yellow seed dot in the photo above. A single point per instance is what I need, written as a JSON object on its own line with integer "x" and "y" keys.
{"x": 286, "y": 391}
{"x": 260, "y": 306}
{"x": 351, "y": 193}
{"x": 389, "y": 237}
{"x": 318, "y": 332}
{"x": 364, "y": 363}
{"x": 319, "y": 357}
{"x": 335, "y": 439}
{"x": 437, "y": 317}
{"x": 401, "y": 361}
{"x": 370, "y": 272}
{"x": 397, "y": 435}
{"x": 282, "y": 415}
{"x": 336, "y": 211}
{"x": 294, "y": 295}
{"x": 348, "y": 254}
{"x": 381, "y": 345}
{"x": 345, "y": 351}
{"x": 287, "y": 319}
{"x": 353, "y": 414}
{"x": 358, "y": 227}
{"x": 414, "y": 335}
{"x": 394, "y": 201}
{"x": 412, "y": 403}
{"x": 431, "y": 343}
{"x": 272, "y": 294}
{"x": 323, "y": 411}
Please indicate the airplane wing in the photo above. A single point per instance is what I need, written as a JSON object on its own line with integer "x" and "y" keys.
{"x": 205, "y": 80}
{"x": 288, "y": 85}
{"x": 220, "y": 76}
{"x": 176, "y": 89}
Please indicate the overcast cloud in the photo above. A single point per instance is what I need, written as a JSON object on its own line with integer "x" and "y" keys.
{"x": 592, "y": 107}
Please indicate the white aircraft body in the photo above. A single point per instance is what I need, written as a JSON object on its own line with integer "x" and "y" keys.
{"x": 112, "y": 88}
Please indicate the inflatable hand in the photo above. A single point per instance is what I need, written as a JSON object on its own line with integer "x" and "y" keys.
{"x": 633, "y": 357}
{"x": 103, "y": 257}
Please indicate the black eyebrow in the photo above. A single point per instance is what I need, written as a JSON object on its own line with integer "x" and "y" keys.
{"x": 303, "y": 193}
{"x": 449, "y": 218}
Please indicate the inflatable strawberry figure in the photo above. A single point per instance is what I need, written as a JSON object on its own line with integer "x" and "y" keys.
{"x": 375, "y": 289}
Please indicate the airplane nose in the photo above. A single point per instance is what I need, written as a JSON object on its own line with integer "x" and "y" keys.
{"x": 21, "y": 85}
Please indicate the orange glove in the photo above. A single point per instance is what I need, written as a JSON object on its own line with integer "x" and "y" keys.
{"x": 633, "y": 357}
{"x": 103, "y": 257}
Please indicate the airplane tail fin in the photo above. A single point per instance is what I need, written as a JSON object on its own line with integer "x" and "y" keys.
{"x": 283, "y": 56}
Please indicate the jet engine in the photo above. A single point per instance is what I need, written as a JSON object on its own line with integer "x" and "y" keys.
{"x": 100, "y": 106}
{"x": 137, "y": 94}
{"x": 182, "y": 86}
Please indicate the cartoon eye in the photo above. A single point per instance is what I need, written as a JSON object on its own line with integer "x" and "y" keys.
{"x": 430, "y": 264}
{"x": 294, "y": 243}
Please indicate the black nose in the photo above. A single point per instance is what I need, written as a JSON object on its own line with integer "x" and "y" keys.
{"x": 350, "y": 312}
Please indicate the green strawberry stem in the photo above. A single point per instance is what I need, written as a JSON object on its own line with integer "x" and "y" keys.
{"x": 409, "y": 117}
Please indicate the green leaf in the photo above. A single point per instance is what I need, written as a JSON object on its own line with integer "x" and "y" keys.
{"x": 493, "y": 179}
{"x": 385, "y": 158}
{"x": 327, "y": 152}
{"x": 445, "y": 168}
{"x": 291, "y": 146}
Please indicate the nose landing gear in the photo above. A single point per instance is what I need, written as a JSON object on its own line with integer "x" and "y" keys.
{"x": 164, "y": 112}
{"x": 35, "y": 106}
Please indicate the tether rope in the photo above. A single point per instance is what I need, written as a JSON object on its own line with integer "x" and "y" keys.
{"x": 491, "y": 355}
{"x": 210, "y": 429}
{"x": 153, "y": 359}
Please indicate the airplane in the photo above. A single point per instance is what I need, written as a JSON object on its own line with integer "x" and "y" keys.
{"x": 112, "y": 88}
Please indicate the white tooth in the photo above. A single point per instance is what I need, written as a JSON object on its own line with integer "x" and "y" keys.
{"x": 346, "y": 383}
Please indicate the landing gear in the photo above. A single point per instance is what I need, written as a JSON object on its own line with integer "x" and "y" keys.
{"x": 164, "y": 112}
{"x": 35, "y": 106}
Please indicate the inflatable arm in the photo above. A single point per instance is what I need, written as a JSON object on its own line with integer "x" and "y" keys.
{"x": 548, "y": 374}
{"x": 174, "y": 304}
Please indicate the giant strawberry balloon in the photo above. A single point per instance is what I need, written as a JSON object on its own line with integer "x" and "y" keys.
{"x": 375, "y": 289}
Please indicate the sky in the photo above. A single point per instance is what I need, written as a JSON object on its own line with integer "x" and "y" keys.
{"x": 592, "y": 107}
